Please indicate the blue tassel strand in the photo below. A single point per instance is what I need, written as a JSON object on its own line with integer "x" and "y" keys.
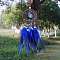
{"x": 30, "y": 37}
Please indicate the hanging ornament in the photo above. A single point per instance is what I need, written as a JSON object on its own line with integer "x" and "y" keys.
{"x": 29, "y": 35}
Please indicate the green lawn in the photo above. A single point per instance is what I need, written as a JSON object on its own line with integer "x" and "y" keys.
{"x": 52, "y": 53}
{"x": 52, "y": 50}
{"x": 9, "y": 41}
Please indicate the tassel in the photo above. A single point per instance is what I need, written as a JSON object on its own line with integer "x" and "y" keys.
{"x": 23, "y": 39}
{"x": 21, "y": 43}
{"x": 30, "y": 37}
{"x": 34, "y": 38}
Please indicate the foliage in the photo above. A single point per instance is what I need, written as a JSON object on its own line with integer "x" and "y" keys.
{"x": 6, "y": 17}
{"x": 14, "y": 16}
{"x": 49, "y": 11}
{"x": 19, "y": 12}
{"x": 48, "y": 14}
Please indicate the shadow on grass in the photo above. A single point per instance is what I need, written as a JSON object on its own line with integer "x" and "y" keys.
{"x": 58, "y": 39}
{"x": 51, "y": 40}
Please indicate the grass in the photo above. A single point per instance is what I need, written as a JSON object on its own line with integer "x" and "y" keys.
{"x": 8, "y": 32}
{"x": 52, "y": 40}
{"x": 9, "y": 41}
{"x": 52, "y": 53}
{"x": 9, "y": 51}
{"x": 8, "y": 46}
{"x": 52, "y": 50}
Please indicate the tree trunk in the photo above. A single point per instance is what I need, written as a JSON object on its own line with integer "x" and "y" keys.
{"x": 35, "y": 4}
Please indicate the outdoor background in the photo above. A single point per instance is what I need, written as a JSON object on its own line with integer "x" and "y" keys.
{"x": 48, "y": 23}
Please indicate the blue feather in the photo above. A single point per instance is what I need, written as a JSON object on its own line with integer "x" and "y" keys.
{"x": 34, "y": 38}
{"x": 24, "y": 39}
{"x": 21, "y": 43}
{"x": 29, "y": 37}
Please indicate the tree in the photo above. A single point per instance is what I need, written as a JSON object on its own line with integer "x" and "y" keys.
{"x": 14, "y": 16}
{"x": 48, "y": 15}
{"x": 19, "y": 12}
{"x": 35, "y": 4}
{"x": 49, "y": 11}
{"x": 7, "y": 17}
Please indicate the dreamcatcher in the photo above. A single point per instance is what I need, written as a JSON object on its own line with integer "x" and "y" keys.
{"x": 29, "y": 35}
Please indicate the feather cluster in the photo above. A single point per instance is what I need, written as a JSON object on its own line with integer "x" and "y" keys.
{"x": 29, "y": 37}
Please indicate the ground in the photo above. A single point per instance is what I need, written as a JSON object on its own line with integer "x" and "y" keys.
{"x": 9, "y": 41}
{"x": 52, "y": 53}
